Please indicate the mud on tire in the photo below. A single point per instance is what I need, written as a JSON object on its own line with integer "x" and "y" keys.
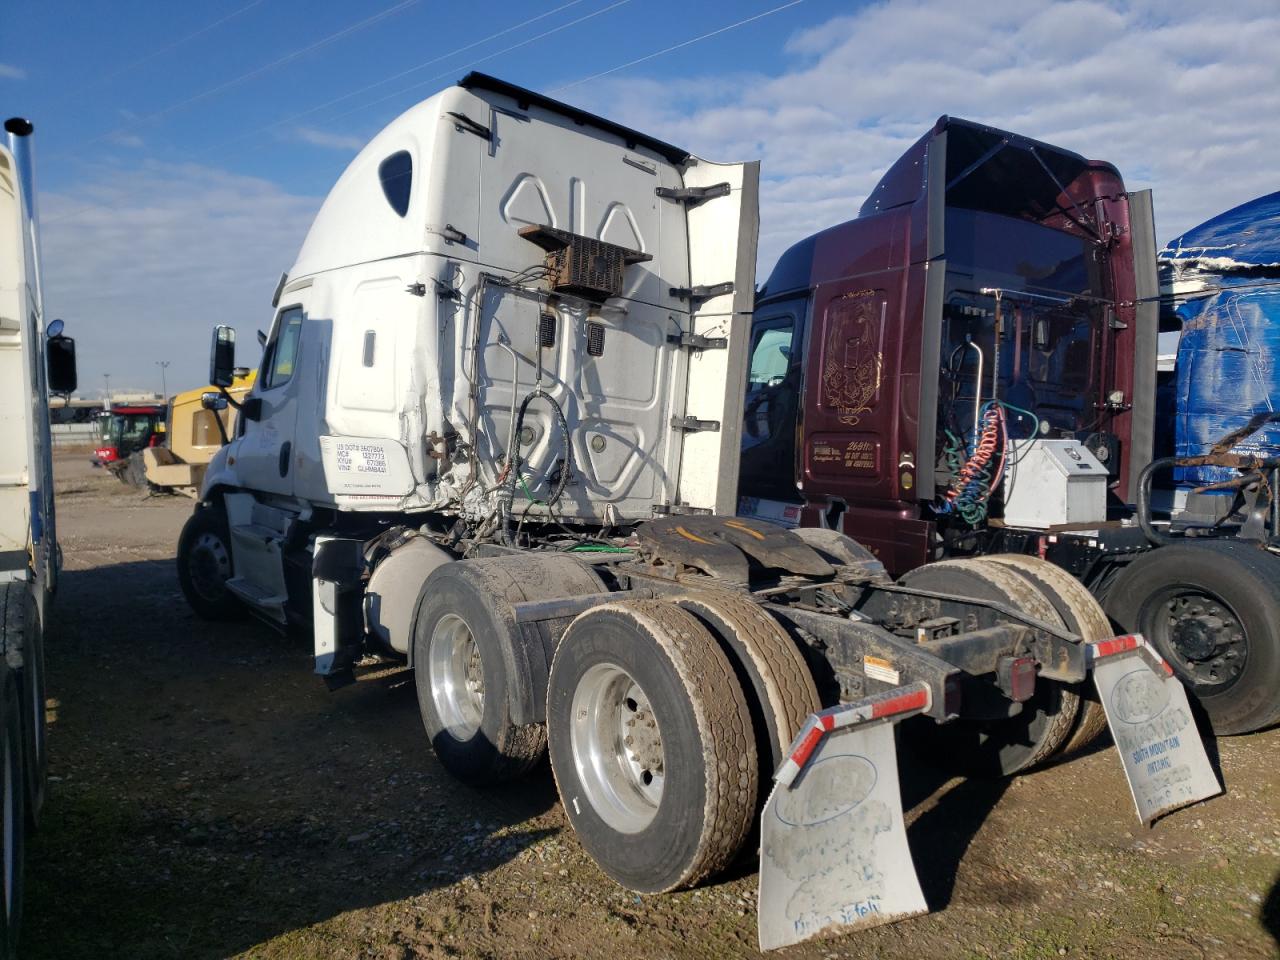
{"x": 468, "y": 660}
{"x": 618, "y": 667}
{"x": 771, "y": 670}
{"x": 1081, "y": 614}
{"x": 1005, "y": 746}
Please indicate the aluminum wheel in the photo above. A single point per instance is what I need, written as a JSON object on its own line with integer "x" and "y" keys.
{"x": 457, "y": 677}
{"x": 617, "y": 748}
{"x": 210, "y": 566}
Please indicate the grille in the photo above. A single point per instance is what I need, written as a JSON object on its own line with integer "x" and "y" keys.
{"x": 547, "y": 330}
{"x": 595, "y": 339}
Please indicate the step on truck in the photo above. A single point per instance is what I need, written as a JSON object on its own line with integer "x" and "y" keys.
{"x": 36, "y": 358}
{"x": 495, "y": 434}
{"x": 968, "y": 368}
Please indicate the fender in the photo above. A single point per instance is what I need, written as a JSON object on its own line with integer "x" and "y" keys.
{"x": 221, "y": 471}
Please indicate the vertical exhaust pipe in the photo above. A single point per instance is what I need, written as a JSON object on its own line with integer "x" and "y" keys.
{"x": 18, "y": 138}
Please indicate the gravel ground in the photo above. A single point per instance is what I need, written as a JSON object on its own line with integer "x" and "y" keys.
{"x": 210, "y": 798}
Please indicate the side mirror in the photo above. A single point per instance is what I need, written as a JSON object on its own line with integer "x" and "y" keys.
{"x": 213, "y": 401}
{"x": 60, "y": 356}
{"x": 222, "y": 356}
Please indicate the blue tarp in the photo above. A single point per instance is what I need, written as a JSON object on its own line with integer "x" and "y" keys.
{"x": 1228, "y": 368}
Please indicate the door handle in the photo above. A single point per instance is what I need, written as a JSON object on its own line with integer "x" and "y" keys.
{"x": 285, "y": 449}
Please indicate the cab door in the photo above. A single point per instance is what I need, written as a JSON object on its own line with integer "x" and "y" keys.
{"x": 773, "y": 402}
{"x": 851, "y": 410}
{"x": 264, "y": 454}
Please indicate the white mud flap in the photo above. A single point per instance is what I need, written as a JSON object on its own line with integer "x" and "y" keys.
{"x": 833, "y": 844}
{"x": 1151, "y": 723}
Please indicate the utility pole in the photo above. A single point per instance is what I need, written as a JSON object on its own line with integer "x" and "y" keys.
{"x": 164, "y": 389}
{"x": 106, "y": 393}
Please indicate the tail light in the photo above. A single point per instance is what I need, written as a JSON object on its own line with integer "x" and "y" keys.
{"x": 1017, "y": 677}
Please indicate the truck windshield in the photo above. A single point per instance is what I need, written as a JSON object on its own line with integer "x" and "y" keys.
{"x": 1028, "y": 302}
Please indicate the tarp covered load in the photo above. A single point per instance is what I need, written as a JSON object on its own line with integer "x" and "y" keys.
{"x": 1226, "y": 275}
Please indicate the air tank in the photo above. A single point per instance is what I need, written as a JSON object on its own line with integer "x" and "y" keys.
{"x": 1225, "y": 277}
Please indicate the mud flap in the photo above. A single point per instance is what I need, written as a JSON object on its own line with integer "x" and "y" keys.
{"x": 337, "y": 612}
{"x": 833, "y": 844}
{"x": 1153, "y": 728}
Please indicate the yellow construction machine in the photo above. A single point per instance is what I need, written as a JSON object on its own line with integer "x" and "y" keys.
{"x": 199, "y": 422}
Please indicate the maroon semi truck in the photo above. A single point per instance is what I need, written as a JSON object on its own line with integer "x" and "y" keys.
{"x": 968, "y": 368}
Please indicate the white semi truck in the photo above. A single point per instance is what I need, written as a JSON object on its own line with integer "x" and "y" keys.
{"x": 495, "y": 433}
{"x": 35, "y": 359}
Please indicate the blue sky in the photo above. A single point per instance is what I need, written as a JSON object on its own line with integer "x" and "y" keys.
{"x": 183, "y": 148}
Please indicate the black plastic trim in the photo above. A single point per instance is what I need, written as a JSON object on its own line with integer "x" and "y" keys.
{"x": 527, "y": 98}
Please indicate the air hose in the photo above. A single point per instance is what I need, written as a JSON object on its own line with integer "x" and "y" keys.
{"x": 973, "y": 478}
{"x": 507, "y": 493}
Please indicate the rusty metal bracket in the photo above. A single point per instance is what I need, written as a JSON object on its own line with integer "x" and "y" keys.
{"x": 692, "y": 196}
{"x": 703, "y": 291}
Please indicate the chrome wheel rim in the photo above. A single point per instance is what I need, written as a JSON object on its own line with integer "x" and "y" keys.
{"x": 457, "y": 677}
{"x": 617, "y": 748}
{"x": 210, "y": 566}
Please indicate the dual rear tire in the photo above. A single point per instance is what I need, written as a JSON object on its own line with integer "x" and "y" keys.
{"x": 1059, "y": 717}
{"x": 664, "y": 717}
{"x": 666, "y": 721}
{"x": 471, "y": 658}
{"x": 651, "y": 744}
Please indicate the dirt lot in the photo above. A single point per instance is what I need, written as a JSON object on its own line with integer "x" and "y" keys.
{"x": 210, "y": 798}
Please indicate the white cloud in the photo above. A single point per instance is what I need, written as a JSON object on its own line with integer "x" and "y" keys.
{"x": 323, "y": 138}
{"x": 1180, "y": 96}
{"x": 123, "y": 139}
{"x": 168, "y": 252}
{"x": 9, "y": 72}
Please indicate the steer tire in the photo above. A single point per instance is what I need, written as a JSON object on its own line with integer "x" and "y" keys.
{"x": 1000, "y": 747}
{"x": 21, "y": 631}
{"x": 205, "y": 564}
{"x": 464, "y": 613}
{"x": 1081, "y": 614}
{"x": 651, "y": 661}
{"x": 1153, "y": 596}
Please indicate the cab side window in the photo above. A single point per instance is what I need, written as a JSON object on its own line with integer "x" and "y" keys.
{"x": 281, "y": 355}
{"x": 771, "y": 357}
{"x": 772, "y": 382}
